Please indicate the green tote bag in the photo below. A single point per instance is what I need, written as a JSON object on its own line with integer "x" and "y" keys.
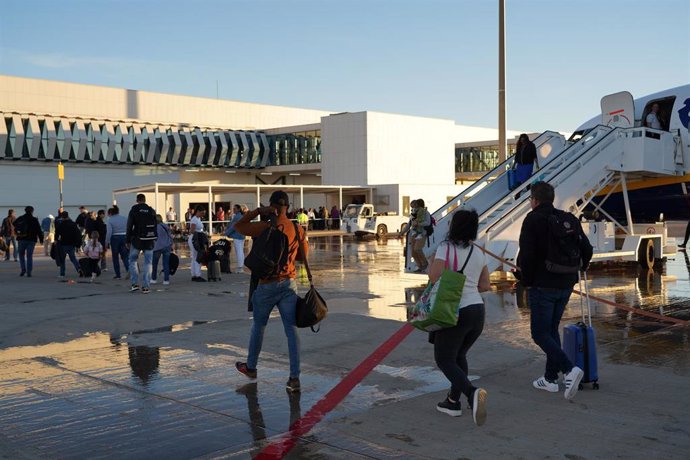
{"x": 437, "y": 308}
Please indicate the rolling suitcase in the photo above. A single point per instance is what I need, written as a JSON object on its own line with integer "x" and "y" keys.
{"x": 214, "y": 270}
{"x": 579, "y": 342}
{"x": 512, "y": 179}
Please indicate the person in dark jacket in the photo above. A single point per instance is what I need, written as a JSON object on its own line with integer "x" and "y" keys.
{"x": 141, "y": 237}
{"x": 7, "y": 232}
{"x": 548, "y": 292}
{"x": 27, "y": 241}
{"x": 68, "y": 238}
{"x": 102, "y": 230}
{"x": 525, "y": 157}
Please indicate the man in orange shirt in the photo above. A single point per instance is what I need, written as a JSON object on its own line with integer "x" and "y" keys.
{"x": 280, "y": 290}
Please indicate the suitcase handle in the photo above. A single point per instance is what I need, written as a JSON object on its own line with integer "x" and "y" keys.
{"x": 584, "y": 298}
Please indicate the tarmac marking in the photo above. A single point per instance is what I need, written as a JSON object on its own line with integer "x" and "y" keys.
{"x": 280, "y": 447}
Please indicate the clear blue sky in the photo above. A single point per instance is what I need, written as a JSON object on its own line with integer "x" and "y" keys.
{"x": 424, "y": 57}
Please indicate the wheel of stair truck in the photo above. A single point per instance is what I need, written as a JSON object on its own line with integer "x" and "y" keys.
{"x": 381, "y": 230}
{"x": 645, "y": 254}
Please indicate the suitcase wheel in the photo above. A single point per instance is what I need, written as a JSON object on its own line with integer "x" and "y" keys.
{"x": 595, "y": 386}
{"x": 580, "y": 386}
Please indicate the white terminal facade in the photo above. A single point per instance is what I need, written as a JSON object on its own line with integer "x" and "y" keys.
{"x": 112, "y": 139}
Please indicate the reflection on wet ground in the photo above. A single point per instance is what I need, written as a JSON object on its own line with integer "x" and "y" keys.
{"x": 107, "y": 389}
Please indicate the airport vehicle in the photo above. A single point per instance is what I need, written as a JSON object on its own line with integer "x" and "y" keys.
{"x": 612, "y": 152}
{"x": 361, "y": 220}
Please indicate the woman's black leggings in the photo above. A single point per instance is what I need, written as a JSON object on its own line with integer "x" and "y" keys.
{"x": 452, "y": 344}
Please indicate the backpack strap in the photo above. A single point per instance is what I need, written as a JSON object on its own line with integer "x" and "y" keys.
{"x": 302, "y": 255}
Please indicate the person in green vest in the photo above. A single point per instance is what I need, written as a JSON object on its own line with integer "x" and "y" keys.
{"x": 302, "y": 219}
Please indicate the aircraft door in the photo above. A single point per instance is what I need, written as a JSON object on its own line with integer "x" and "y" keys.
{"x": 618, "y": 110}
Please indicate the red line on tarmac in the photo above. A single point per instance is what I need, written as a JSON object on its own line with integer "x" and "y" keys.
{"x": 280, "y": 447}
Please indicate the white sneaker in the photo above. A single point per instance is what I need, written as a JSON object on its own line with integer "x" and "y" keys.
{"x": 154, "y": 282}
{"x": 479, "y": 406}
{"x": 572, "y": 382}
{"x": 542, "y": 384}
{"x": 166, "y": 283}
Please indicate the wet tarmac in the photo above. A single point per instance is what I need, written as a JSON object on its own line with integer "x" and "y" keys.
{"x": 94, "y": 371}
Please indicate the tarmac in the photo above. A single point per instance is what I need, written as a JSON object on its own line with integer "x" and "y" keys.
{"x": 91, "y": 370}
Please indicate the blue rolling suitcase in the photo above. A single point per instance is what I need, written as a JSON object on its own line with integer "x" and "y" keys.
{"x": 579, "y": 342}
{"x": 512, "y": 179}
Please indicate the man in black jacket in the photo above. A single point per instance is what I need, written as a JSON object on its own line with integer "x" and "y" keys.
{"x": 141, "y": 237}
{"x": 549, "y": 292}
{"x": 68, "y": 238}
{"x": 28, "y": 232}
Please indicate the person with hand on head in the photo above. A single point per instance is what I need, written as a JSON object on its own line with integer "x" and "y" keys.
{"x": 279, "y": 290}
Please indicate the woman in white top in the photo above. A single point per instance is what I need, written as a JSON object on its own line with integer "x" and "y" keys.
{"x": 452, "y": 344}
{"x": 195, "y": 225}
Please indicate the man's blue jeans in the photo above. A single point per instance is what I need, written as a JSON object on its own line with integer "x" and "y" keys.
{"x": 13, "y": 241}
{"x": 26, "y": 255}
{"x": 166, "y": 263}
{"x": 547, "y": 307}
{"x": 146, "y": 269}
{"x": 119, "y": 251}
{"x": 67, "y": 251}
{"x": 284, "y": 295}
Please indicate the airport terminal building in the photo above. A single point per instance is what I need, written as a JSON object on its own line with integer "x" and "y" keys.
{"x": 113, "y": 142}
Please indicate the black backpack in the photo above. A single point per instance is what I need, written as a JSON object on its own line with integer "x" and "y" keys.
{"x": 146, "y": 224}
{"x": 269, "y": 254}
{"x": 563, "y": 250}
{"x": 21, "y": 227}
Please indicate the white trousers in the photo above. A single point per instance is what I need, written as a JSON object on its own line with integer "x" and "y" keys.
{"x": 239, "y": 253}
{"x": 195, "y": 266}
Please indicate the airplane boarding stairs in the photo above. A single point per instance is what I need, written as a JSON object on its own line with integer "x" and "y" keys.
{"x": 605, "y": 156}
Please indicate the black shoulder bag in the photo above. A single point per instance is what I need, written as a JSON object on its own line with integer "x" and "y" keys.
{"x": 311, "y": 309}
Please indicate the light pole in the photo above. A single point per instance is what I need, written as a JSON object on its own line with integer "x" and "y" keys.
{"x": 502, "y": 144}
{"x": 61, "y": 177}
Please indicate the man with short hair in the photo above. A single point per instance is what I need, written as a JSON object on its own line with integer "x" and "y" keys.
{"x": 28, "y": 232}
{"x": 279, "y": 290}
{"x": 141, "y": 237}
{"x": 116, "y": 239}
{"x": 549, "y": 291}
{"x": 237, "y": 237}
{"x": 68, "y": 238}
{"x": 48, "y": 227}
{"x": 82, "y": 217}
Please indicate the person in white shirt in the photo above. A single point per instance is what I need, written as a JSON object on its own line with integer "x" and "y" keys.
{"x": 452, "y": 344}
{"x": 171, "y": 216}
{"x": 653, "y": 119}
{"x": 195, "y": 225}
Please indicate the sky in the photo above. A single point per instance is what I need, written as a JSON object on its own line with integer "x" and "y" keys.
{"x": 434, "y": 58}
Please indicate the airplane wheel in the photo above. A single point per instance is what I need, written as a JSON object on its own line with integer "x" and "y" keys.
{"x": 645, "y": 254}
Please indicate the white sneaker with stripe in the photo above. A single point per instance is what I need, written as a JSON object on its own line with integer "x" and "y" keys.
{"x": 542, "y": 384}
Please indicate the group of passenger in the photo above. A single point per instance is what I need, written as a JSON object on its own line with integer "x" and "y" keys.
{"x": 548, "y": 292}
{"x": 317, "y": 219}
{"x": 91, "y": 235}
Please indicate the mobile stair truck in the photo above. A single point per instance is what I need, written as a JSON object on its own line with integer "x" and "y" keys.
{"x": 361, "y": 220}
{"x": 611, "y": 153}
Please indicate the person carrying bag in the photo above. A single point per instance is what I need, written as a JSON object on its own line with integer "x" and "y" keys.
{"x": 452, "y": 343}
{"x": 311, "y": 308}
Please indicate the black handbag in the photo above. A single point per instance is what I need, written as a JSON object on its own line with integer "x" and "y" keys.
{"x": 311, "y": 308}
